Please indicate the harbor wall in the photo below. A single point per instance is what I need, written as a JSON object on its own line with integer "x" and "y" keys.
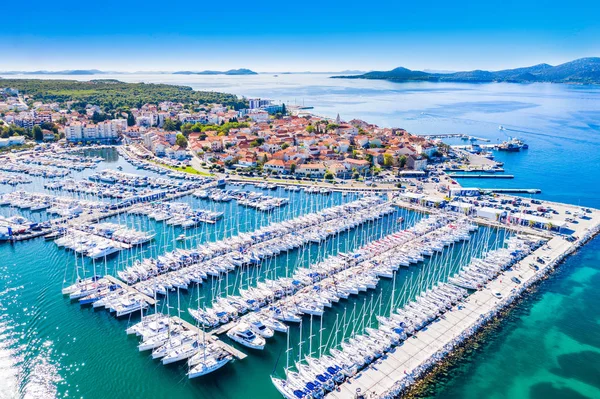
{"x": 410, "y": 378}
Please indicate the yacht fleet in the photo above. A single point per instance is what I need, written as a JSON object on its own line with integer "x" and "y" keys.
{"x": 267, "y": 304}
{"x": 315, "y": 376}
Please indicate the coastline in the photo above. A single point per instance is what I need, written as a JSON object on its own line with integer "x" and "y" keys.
{"x": 405, "y": 376}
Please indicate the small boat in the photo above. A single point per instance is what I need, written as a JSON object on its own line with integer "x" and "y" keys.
{"x": 209, "y": 364}
{"x": 243, "y": 335}
{"x": 181, "y": 237}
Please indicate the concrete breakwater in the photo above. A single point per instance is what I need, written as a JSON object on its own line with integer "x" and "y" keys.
{"x": 479, "y": 176}
{"x": 395, "y": 373}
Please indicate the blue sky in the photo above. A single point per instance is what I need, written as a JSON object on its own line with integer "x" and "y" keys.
{"x": 295, "y": 36}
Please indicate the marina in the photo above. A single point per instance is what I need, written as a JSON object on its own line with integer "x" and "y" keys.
{"x": 427, "y": 279}
{"x": 252, "y": 316}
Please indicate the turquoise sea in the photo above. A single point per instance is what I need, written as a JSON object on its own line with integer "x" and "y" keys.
{"x": 548, "y": 347}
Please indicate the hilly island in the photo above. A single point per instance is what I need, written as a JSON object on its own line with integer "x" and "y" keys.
{"x": 582, "y": 71}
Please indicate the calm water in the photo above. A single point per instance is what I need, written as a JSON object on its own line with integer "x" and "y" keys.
{"x": 548, "y": 347}
{"x": 561, "y": 123}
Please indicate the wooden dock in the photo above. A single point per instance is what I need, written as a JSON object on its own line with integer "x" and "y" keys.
{"x": 210, "y": 336}
{"x": 224, "y": 328}
{"x": 29, "y": 236}
{"x": 479, "y": 176}
{"x": 130, "y": 289}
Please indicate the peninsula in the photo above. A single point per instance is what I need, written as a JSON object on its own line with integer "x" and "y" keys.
{"x": 582, "y": 71}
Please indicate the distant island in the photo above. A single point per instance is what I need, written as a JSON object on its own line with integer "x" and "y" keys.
{"x": 241, "y": 71}
{"x": 583, "y": 70}
{"x": 64, "y": 72}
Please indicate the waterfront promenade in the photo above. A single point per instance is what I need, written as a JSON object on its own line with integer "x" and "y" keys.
{"x": 384, "y": 377}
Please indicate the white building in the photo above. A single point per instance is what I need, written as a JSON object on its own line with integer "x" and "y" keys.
{"x": 103, "y": 131}
{"x": 74, "y": 132}
{"x": 259, "y": 116}
{"x": 490, "y": 213}
{"x": 13, "y": 140}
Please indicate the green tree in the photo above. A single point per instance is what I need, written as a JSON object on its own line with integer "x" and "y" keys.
{"x": 388, "y": 160}
{"x": 98, "y": 117}
{"x": 169, "y": 125}
{"x": 284, "y": 146}
{"x": 310, "y": 128}
{"x": 181, "y": 141}
{"x": 293, "y": 168}
{"x": 186, "y": 128}
{"x": 329, "y": 176}
{"x": 38, "y": 135}
{"x": 283, "y": 109}
{"x": 130, "y": 119}
{"x": 402, "y": 161}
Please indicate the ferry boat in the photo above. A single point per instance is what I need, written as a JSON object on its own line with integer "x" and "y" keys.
{"x": 512, "y": 145}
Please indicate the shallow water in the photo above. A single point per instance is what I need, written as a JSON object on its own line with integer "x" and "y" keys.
{"x": 548, "y": 347}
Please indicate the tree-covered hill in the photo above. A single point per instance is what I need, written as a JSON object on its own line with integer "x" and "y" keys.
{"x": 113, "y": 94}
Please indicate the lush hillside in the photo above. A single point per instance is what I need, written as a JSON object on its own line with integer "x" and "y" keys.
{"x": 111, "y": 95}
{"x": 584, "y": 70}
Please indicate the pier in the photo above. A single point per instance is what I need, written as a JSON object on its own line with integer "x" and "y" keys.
{"x": 475, "y": 169}
{"x": 224, "y": 328}
{"x": 512, "y": 190}
{"x": 479, "y": 176}
{"x": 130, "y": 289}
{"x": 210, "y": 336}
{"x": 28, "y": 236}
{"x": 455, "y": 136}
{"x": 467, "y": 146}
